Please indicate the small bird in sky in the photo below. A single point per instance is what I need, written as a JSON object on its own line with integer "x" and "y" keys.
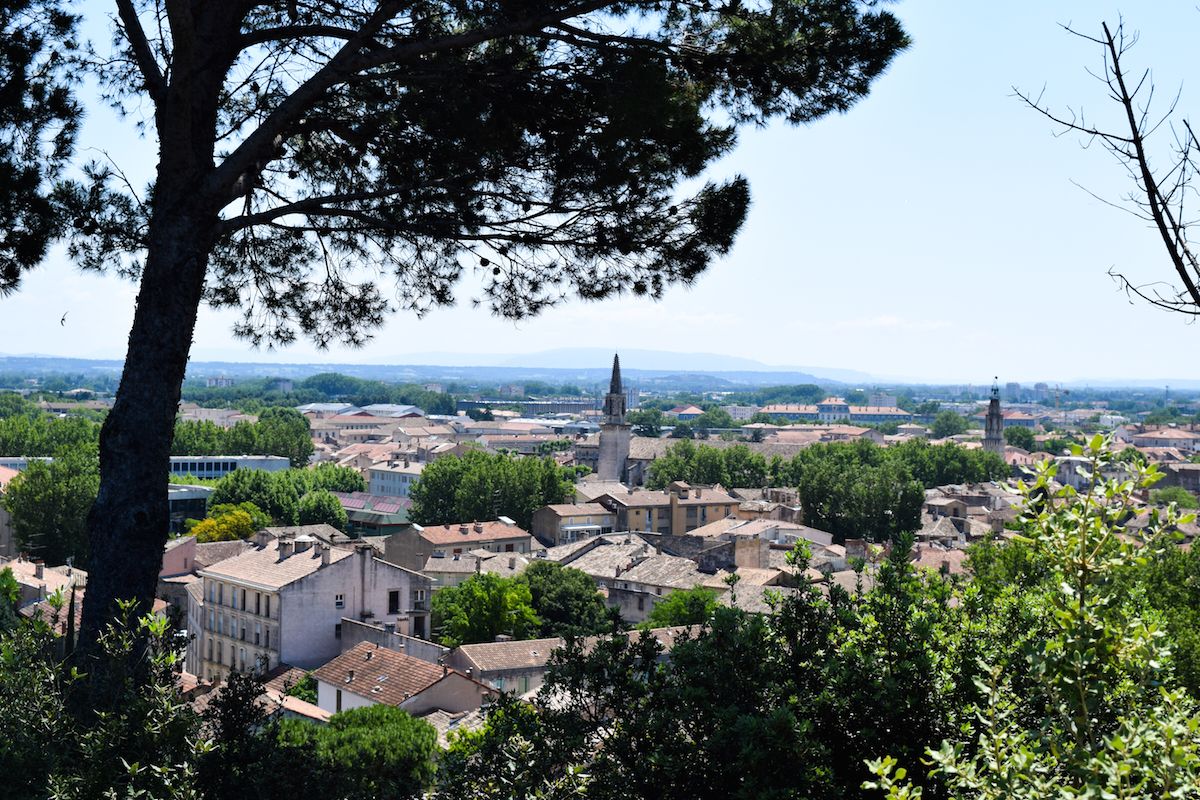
{"x": 63, "y": 321}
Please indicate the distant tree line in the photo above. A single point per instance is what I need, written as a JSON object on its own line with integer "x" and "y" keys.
{"x": 26, "y": 430}
{"x": 483, "y": 486}
{"x": 254, "y": 394}
{"x": 849, "y": 489}
{"x": 278, "y": 432}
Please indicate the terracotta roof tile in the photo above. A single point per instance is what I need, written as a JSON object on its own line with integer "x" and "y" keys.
{"x": 379, "y": 674}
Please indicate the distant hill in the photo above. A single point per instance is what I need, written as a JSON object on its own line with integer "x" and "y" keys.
{"x": 657, "y": 369}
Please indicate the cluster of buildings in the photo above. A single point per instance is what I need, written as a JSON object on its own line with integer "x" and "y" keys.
{"x": 352, "y": 613}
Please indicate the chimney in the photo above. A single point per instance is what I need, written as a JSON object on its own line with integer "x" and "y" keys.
{"x": 512, "y": 563}
{"x": 324, "y": 555}
{"x": 463, "y": 529}
{"x": 699, "y": 491}
{"x": 39, "y": 570}
{"x": 478, "y": 527}
{"x": 286, "y": 547}
{"x": 350, "y": 676}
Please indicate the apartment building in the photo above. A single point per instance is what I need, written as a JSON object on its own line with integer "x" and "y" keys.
{"x": 283, "y": 601}
{"x": 675, "y": 510}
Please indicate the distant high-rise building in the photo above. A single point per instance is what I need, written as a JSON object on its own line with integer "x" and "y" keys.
{"x": 1041, "y": 392}
{"x": 615, "y": 432}
{"x": 993, "y": 428}
{"x": 1012, "y": 392}
{"x": 882, "y": 400}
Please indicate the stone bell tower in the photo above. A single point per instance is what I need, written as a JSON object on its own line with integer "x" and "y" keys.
{"x": 615, "y": 432}
{"x": 993, "y": 429}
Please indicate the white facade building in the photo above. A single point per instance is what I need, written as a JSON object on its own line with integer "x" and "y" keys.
{"x": 210, "y": 467}
{"x": 394, "y": 480}
{"x": 283, "y": 602}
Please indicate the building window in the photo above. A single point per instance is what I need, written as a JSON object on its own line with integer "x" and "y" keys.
{"x": 641, "y": 604}
{"x": 339, "y": 601}
{"x": 220, "y": 594}
{"x": 267, "y": 635}
{"x": 267, "y": 606}
{"x": 338, "y": 702}
{"x": 243, "y": 599}
{"x": 258, "y": 603}
{"x": 337, "y": 631}
{"x": 257, "y": 632}
{"x": 394, "y": 601}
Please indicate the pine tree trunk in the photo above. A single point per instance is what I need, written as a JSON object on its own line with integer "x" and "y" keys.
{"x": 129, "y": 522}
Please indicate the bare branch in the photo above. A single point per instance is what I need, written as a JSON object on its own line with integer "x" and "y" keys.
{"x": 156, "y": 84}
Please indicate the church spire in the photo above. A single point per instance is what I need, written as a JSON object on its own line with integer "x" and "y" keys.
{"x": 614, "y": 386}
{"x": 993, "y": 426}
{"x": 614, "y": 431}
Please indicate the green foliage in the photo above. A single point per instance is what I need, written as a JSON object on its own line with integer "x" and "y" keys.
{"x": 39, "y": 120}
{"x": 304, "y": 689}
{"x": 714, "y": 417}
{"x": 320, "y": 506}
{"x": 682, "y": 607}
{"x": 142, "y": 742}
{"x": 849, "y": 489}
{"x": 231, "y": 524}
{"x": 778, "y": 705}
{"x": 363, "y": 753}
{"x": 646, "y": 421}
{"x": 484, "y": 486}
{"x": 49, "y": 504}
{"x": 31, "y": 432}
{"x": 800, "y": 394}
{"x": 278, "y": 432}
{"x": 1019, "y": 437}
{"x": 483, "y": 607}
{"x": 10, "y": 597}
{"x": 564, "y": 599}
{"x": 1174, "y": 494}
{"x": 1094, "y": 710}
{"x": 704, "y": 464}
{"x": 273, "y": 492}
{"x": 948, "y": 423}
{"x": 279, "y": 493}
{"x": 682, "y": 430}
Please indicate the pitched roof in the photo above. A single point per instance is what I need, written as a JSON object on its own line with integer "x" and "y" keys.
{"x": 470, "y": 532}
{"x": 577, "y": 509}
{"x": 501, "y": 656}
{"x": 209, "y": 553}
{"x": 262, "y": 566}
{"x": 379, "y": 674}
{"x": 664, "y": 570}
{"x": 1167, "y": 433}
{"x": 53, "y": 578}
{"x": 696, "y": 497}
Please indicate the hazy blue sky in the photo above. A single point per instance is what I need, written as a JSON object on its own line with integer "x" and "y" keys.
{"x": 932, "y": 232}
